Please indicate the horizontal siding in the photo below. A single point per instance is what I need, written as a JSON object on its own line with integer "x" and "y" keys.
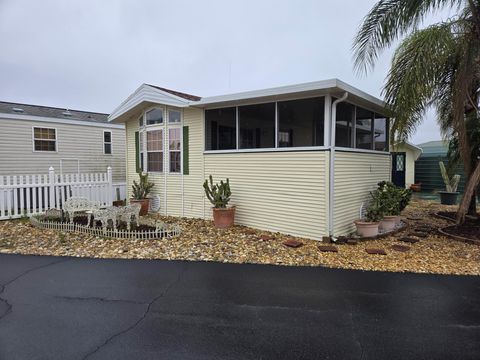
{"x": 193, "y": 205}
{"x": 281, "y": 191}
{"x": 74, "y": 142}
{"x": 356, "y": 174}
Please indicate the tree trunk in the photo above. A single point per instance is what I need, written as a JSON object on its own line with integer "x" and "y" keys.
{"x": 472, "y": 184}
{"x": 472, "y": 209}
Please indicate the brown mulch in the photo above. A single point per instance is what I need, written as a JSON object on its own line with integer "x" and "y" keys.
{"x": 469, "y": 230}
{"x": 200, "y": 240}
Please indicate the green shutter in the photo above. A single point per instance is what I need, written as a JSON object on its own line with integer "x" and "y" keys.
{"x": 137, "y": 153}
{"x": 186, "y": 169}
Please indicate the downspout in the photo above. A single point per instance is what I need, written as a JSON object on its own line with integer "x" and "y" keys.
{"x": 331, "y": 186}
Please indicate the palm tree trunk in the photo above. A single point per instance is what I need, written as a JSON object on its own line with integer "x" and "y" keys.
{"x": 472, "y": 184}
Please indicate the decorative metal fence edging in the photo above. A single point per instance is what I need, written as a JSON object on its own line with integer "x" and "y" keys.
{"x": 164, "y": 231}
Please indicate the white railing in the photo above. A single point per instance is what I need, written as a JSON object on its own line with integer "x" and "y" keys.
{"x": 25, "y": 195}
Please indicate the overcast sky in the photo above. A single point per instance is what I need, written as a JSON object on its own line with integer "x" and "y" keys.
{"x": 91, "y": 54}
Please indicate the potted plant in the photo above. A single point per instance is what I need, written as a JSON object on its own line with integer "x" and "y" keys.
{"x": 449, "y": 197}
{"x": 373, "y": 214}
{"x": 219, "y": 195}
{"x": 140, "y": 192}
{"x": 393, "y": 200}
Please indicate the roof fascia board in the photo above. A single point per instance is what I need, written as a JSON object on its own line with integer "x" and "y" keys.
{"x": 59, "y": 121}
{"x": 146, "y": 93}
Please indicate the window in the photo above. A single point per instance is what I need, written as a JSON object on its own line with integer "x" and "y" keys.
{"x": 380, "y": 133}
{"x": 301, "y": 122}
{"x": 220, "y": 129}
{"x": 344, "y": 124}
{"x": 155, "y": 150}
{"x": 154, "y": 116}
{"x": 107, "y": 142}
{"x": 44, "y": 139}
{"x": 257, "y": 126}
{"x": 174, "y": 116}
{"x": 140, "y": 121}
{"x": 363, "y": 129}
{"x": 174, "y": 150}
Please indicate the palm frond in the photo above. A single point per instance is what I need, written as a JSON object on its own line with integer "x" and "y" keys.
{"x": 417, "y": 72}
{"x": 386, "y": 22}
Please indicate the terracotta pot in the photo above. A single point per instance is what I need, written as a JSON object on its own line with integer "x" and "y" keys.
{"x": 398, "y": 220}
{"x": 416, "y": 187}
{"x": 366, "y": 229}
{"x": 388, "y": 222}
{"x": 224, "y": 217}
{"x": 145, "y": 205}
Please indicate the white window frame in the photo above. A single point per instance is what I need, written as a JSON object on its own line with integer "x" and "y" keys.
{"x": 151, "y": 129}
{"x": 163, "y": 108}
{"x": 33, "y": 139}
{"x": 165, "y": 127}
{"x": 105, "y": 142}
{"x": 327, "y": 119}
{"x": 176, "y": 125}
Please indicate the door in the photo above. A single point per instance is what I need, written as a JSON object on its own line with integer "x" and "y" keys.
{"x": 398, "y": 168}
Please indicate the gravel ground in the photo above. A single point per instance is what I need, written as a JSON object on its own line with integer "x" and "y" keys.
{"x": 200, "y": 240}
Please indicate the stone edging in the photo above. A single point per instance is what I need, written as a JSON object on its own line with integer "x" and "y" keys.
{"x": 442, "y": 217}
{"x": 161, "y": 232}
{"x": 457, "y": 237}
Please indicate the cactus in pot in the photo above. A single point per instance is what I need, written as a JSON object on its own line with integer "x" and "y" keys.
{"x": 219, "y": 195}
{"x": 449, "y": 197}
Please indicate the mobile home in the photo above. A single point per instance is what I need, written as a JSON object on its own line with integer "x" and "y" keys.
{"x": 301, "y": 159}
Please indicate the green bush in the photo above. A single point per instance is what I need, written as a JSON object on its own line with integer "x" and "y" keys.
{"x": 391, "y": 198}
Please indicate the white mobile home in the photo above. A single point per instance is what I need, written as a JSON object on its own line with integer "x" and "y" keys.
{"x": 33, "y": 138}
{"x": 301, "y": 159}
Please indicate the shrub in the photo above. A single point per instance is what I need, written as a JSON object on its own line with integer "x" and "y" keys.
{"x": 392, "y": 199}
{"x": 374, "y": 211}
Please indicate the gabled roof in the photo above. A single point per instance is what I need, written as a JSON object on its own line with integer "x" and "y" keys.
{"x": 148, "y": 95}
{"x": 51, "y": 112}
{"x": 177, "y": 93}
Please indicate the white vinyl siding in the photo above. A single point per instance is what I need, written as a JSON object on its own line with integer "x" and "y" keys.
{"x": 356, "y": 174}
{"x": 77, "y": 146}
{"x": 277, "y": 191}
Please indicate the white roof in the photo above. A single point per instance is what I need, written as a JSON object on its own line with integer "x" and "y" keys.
{"x": 149, "y": 95}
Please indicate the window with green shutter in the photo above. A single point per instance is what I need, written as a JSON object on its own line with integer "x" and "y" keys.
{"x": 186, "y": 169}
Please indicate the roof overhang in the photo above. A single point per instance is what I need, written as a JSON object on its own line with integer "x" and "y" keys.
{"x": 416, "y": 150}
{"x": 334, "y": 87}
{"x": 147, "y": 95}
{"x": 142, "y": 98}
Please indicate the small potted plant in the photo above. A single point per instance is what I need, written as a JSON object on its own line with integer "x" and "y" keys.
{"x": 219, "y": 195}
{"x": 448, "y": 197}
{"x": 368, "y": 227}
{"x": 140, "y": 192}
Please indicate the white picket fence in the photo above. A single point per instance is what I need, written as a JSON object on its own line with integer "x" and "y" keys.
{"x": 25, "y": 195}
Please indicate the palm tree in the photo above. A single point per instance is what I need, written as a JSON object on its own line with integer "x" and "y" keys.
{"x": 435, "y": 66}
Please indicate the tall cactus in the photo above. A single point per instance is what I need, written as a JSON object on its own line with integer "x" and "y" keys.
{"x": 450, "y": 184}
{"x": 218, "y": 194}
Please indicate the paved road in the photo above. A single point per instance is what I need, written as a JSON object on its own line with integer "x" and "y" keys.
{"x": 64, "y": 308}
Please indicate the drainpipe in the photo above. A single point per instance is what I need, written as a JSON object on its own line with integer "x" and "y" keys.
{"x": 331, "y": 186}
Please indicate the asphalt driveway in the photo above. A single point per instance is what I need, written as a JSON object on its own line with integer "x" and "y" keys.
{"x": 67, "y": 308}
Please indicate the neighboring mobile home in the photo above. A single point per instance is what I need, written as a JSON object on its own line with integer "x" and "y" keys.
{"x": 33, "y": 138}
{"x": 287, "y": 174}
{"x": 404, "y": 156}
